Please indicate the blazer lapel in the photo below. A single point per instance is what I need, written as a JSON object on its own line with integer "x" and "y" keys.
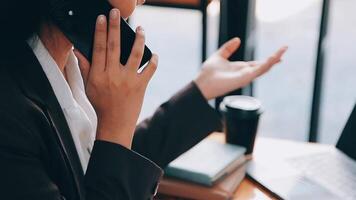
{"x": 34, "y": 83}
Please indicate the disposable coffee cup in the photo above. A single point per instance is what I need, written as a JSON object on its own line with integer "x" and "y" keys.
{"x": 241, "y": 116}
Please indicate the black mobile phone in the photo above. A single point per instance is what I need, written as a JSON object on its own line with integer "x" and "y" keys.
{"x": 77, "y": 19}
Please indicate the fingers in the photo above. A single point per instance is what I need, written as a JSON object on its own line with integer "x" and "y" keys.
{"x": 150, "y": 69}
{"x": 113, "y": 44}
{"x": 268, "y": 64}
{"x": 229, "y": 48}
{"x": 100, "y": 40}
{"x": 137, "y": 51}
{"x": 84, "y": 65}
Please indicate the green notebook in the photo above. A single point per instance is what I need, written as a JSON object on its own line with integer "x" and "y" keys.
{"x": 207, "y": 162}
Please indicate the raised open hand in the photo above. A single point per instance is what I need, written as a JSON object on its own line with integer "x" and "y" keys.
{"x": 220, "y": 76}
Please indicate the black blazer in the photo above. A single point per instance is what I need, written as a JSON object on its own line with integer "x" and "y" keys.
{"x": 38, "y": 159}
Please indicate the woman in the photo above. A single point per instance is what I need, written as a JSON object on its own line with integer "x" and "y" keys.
{"x": 69, "y": 131}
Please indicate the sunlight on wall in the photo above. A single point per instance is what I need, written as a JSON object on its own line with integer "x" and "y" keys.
{"x": 276, "y": 10}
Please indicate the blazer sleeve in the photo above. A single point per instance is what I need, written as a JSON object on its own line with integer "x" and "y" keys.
{"x": 176, "y": 126}
{"x": 114, "y": 172}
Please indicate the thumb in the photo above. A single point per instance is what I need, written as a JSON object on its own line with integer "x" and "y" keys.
{"x": 84, "y": 65}
{"x": 229, "y": 47}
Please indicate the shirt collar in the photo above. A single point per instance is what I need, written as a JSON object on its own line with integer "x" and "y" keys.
{"x": 60, "y": 86}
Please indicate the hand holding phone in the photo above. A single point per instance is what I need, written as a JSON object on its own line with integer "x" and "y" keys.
{"x": 110, "y": 54}
{"x": 77, "y": 18}
{"x": 115, "y": 90}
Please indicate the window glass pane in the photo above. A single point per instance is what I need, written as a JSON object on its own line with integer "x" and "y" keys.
{"x": 340, "y": 71}
{"x": 286, "y": 91}
{"x": 173, "y": 34}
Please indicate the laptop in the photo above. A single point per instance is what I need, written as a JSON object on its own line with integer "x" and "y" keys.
{"x": 328, "y": 173}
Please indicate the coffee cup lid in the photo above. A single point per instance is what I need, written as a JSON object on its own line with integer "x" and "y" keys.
{"x": 241, "y": 102}
{"x": 244, "y": 106}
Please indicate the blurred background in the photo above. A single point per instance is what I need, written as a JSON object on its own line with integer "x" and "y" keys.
{"x": 286, "y": 91}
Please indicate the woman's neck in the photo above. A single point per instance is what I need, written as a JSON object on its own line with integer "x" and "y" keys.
{"x": 57, "y": 45}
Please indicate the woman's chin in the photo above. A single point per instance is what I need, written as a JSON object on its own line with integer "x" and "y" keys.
{"x": 126, "y": 7}
{"x": 127, "y": 12}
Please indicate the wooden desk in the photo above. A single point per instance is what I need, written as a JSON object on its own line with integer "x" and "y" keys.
{"x": 250, "y": 191}
{"x": 246, "y": 191}
{"x": 265, "y": 151}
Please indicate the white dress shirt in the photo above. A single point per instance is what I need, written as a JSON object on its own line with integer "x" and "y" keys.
{"x": 70, "y": 93}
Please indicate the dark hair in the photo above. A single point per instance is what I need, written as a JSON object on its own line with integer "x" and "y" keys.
{"x": 20, "y": 19}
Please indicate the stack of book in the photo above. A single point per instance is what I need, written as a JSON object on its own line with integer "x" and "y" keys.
{"x": 210, "y": 170}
